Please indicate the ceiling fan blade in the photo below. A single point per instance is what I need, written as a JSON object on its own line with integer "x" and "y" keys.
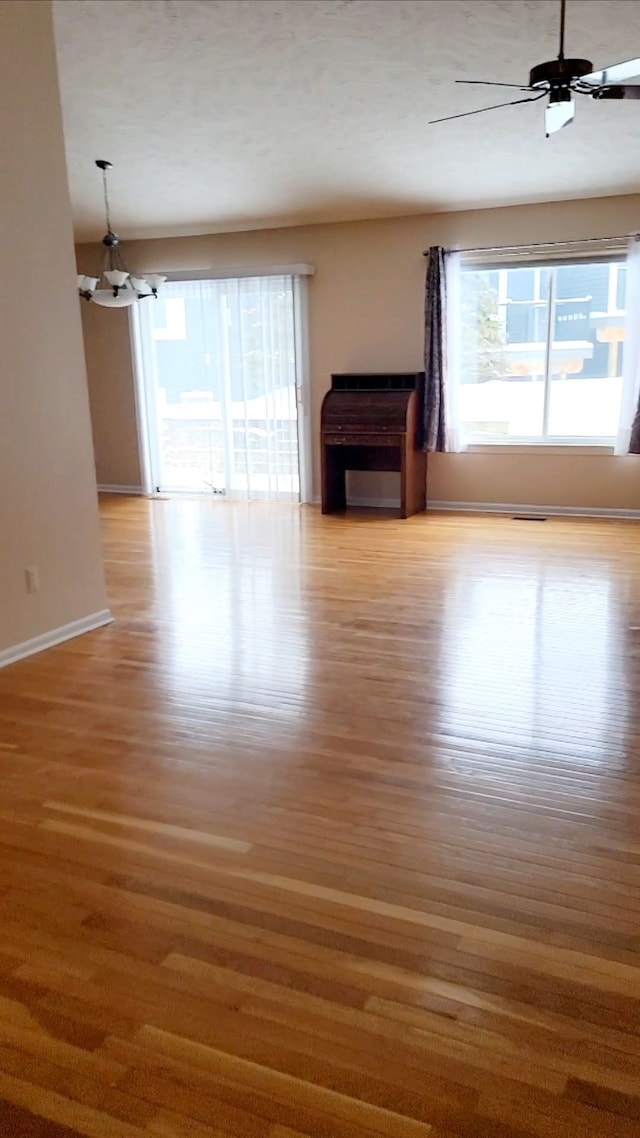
{"x": 619, "y": 91}
{"x": 618, "y": 73}
{"x": 495, "y": 107}
{"x": 557, "y": 115}
{"x": 491, "y": 83}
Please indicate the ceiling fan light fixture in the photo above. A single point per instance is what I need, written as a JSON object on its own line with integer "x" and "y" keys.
{"x": 560, "y": 110}
{"x": 123, "y": 290}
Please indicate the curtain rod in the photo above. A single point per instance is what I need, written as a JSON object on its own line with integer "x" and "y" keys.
{"x": 543, "y": 244}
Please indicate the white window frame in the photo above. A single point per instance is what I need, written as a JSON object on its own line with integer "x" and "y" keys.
{"x": 528, "y": 259}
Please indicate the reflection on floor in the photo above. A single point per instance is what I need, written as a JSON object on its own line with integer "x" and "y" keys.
{"x": 334, "y": 832}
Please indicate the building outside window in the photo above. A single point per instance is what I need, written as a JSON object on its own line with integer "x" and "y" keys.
{"x": 541, "y": 351}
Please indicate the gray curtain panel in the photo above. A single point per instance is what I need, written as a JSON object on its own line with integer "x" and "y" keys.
{"x": 433, "y": 411}
{"x": 634, "y": 442}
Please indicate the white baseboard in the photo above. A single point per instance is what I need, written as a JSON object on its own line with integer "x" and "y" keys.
{"x": 500, "y": 508}
{"x": 104, "y": 488}
{"x": 56, "y": 636}
{"x": 520, "y": 508}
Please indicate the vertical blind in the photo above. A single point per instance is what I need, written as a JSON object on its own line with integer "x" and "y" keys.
{"x": 223, "y": 372}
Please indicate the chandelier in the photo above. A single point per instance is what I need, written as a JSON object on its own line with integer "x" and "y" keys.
{"x": 119, "y": 289}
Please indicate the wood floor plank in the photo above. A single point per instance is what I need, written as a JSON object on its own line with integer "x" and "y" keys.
{"x": 283, "y": 1086}
{"x": 36, "y": 1043}
{"x": 168, "y": 1124}
{"x": 58, "y": 1109}
{"x": 333, "y": 833}
{"x": 200, "y": 1084}
{"x": 21, "y": 1123}
{"x": 165, "y": 829}
{"x": 79, "y": 1086}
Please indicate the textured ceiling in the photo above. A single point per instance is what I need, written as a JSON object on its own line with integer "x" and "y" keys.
{"x": 236, "y": 114}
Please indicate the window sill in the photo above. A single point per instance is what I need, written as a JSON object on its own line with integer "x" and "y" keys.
{"x": 564, "y": 448}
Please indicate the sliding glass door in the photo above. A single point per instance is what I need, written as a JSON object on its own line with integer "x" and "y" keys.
{"x": 220, "y": 385}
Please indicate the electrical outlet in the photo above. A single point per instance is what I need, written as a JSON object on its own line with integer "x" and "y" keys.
{"x": 32, "y": 578}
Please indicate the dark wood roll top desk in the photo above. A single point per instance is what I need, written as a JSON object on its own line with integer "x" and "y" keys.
{"x": 371, "y": 422}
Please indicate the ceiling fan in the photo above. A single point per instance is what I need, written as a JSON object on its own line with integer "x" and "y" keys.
{"x": 560, "y": 79}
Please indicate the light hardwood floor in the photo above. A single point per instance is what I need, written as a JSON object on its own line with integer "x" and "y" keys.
{"x": 334, "y": 832}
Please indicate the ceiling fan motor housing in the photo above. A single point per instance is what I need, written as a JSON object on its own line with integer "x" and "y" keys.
{"x": 559, "y": 72}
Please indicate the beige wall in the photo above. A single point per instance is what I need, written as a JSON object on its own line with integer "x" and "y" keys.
{"x": 366, "y": 313}
{"x": 48, "y": 510}
{"x": 111, "y": 395}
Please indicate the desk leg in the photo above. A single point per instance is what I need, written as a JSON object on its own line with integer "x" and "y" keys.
{"x": 413, "y": 482}
{"x": 334, "y": 494}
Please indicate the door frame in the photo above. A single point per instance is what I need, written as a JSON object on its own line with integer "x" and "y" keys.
{"x": 303, "y": 387}
{"x": 147, "y": 439}
{"x": 146, "y": 410}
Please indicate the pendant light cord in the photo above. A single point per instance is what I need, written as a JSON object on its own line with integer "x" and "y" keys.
{"x": 106, "y": 199}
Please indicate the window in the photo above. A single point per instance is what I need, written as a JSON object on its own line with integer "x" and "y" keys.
{"x": 169, "y": 319}
{"x": 541, "y": 348}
